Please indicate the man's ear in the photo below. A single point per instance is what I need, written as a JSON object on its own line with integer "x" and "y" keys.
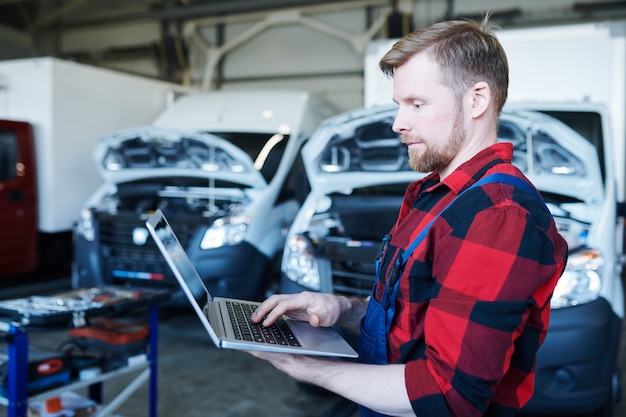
{"x": 481, "y": 98}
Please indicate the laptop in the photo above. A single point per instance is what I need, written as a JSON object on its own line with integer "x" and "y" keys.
{"x": 227, "y": 319}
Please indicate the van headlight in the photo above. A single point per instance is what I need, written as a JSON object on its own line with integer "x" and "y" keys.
{"x": 581, "y": 281}
{"x": 225, "y": 231}
{"x": 84, "y": 225}
{"x": 300, "y": 263}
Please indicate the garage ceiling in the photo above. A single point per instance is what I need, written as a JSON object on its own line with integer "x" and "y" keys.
{"x": 140, "y": 36}
{"x": 34, "y": 16}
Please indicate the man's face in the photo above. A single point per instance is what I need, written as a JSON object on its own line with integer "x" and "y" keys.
{"x": 429, "y": 118}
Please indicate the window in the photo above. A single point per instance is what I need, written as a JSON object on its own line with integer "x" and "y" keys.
{"x": 8, "y": 154}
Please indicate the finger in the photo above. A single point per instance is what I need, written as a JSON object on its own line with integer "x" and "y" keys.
{"x": 264, "y": 308}
{"x": 255, "y": 353}
{"x": 259, "y": 354}
{"x": 294, "y": 306}
{"x": 280, "y": 309}
{"x": 271, "y": 309}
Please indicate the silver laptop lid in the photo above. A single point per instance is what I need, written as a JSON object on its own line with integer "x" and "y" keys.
{"x": 181, "y": 265}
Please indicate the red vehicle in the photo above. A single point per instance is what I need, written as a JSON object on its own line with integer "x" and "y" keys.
{"x": 53, "y": 113}
{"x": 18, "y": 198}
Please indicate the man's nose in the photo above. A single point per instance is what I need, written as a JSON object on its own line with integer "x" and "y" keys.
{"x": 399, "y": 123}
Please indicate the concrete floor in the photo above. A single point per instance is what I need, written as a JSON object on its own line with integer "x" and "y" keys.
{"x": 196, "y": 379}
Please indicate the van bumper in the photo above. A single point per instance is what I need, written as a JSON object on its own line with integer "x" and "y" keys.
{"x": 577, "y": 369}
{"x": 237, "y": 271}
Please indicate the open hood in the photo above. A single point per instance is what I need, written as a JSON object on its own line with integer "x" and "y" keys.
{"x": 359, "y": 149}
{"x": 147, "y": 152}
{"x": 356, "y": 149}
{"x": 557, "y": 159}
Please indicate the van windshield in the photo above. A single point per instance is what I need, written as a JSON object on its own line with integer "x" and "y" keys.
{"x": 265, "y": 149}
{"x": 588, "y": 124}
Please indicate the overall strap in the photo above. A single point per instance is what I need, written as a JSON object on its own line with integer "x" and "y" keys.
{"x": 495, "y": 177}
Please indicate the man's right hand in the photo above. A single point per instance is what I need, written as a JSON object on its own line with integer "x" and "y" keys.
{"x": 317, "y": 308}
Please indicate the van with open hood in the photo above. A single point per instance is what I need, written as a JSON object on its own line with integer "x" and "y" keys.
{"x": 221, "y": 166}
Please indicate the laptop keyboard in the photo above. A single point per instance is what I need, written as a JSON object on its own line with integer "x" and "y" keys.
{"x": 277, "y": 334}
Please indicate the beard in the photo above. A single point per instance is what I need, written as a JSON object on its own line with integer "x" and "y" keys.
{"x": 430, "y": 158}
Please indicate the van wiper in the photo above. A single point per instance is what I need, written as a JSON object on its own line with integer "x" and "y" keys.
{"x": 557, "y": 199}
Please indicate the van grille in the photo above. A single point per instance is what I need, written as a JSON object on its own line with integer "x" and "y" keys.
{"x": 123, "y": 260}
{"x": 351, "y": 281}
{"x": 352, "y": 263}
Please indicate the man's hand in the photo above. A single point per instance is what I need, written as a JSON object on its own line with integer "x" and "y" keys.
{"x": 318, "y": 309}
{"x": 292, "y": 365}
{"x": 379, "y": 387}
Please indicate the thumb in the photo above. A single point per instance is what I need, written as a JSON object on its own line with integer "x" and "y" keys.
{"x": 314, "y": 320}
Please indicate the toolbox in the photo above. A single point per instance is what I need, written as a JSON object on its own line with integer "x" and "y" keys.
{"x": 76, "y": 305}
{"x": 105, "y": 344}
{"x": 46, "y": 369}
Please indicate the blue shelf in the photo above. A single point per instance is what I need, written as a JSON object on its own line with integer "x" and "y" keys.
{"x": 17, "y": 397}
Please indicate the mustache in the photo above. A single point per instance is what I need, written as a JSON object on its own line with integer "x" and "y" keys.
{"x": 406, "y": 139}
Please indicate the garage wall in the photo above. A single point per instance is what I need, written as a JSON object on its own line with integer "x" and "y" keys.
{"x": 288, "y": 55}
{"x": 315, "y": 48}
{"x": 98, "y": 44}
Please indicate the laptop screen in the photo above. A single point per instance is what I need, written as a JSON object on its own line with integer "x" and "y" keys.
{"x": 177, "y": 255}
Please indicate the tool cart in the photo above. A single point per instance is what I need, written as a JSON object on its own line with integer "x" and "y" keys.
{"x": 101, "y": 344}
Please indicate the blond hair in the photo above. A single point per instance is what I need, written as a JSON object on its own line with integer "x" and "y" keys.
{"x": 465, "y": 52}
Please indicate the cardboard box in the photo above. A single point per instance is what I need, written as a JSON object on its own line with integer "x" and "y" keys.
{"x": 66, "y": 404}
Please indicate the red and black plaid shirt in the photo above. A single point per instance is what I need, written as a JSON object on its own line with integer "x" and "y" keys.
{"x": 473, "y": 303}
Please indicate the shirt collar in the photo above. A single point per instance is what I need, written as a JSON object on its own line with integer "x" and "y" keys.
{"x": 467, "y": 173}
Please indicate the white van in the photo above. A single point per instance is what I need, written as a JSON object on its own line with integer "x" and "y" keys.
{"x": 222, "y": 166}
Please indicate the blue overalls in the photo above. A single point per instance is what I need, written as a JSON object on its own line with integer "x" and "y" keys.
{"x": 376, "y": 323}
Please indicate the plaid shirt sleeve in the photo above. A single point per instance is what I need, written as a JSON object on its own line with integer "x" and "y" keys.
{"x": 474, "y": 301}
